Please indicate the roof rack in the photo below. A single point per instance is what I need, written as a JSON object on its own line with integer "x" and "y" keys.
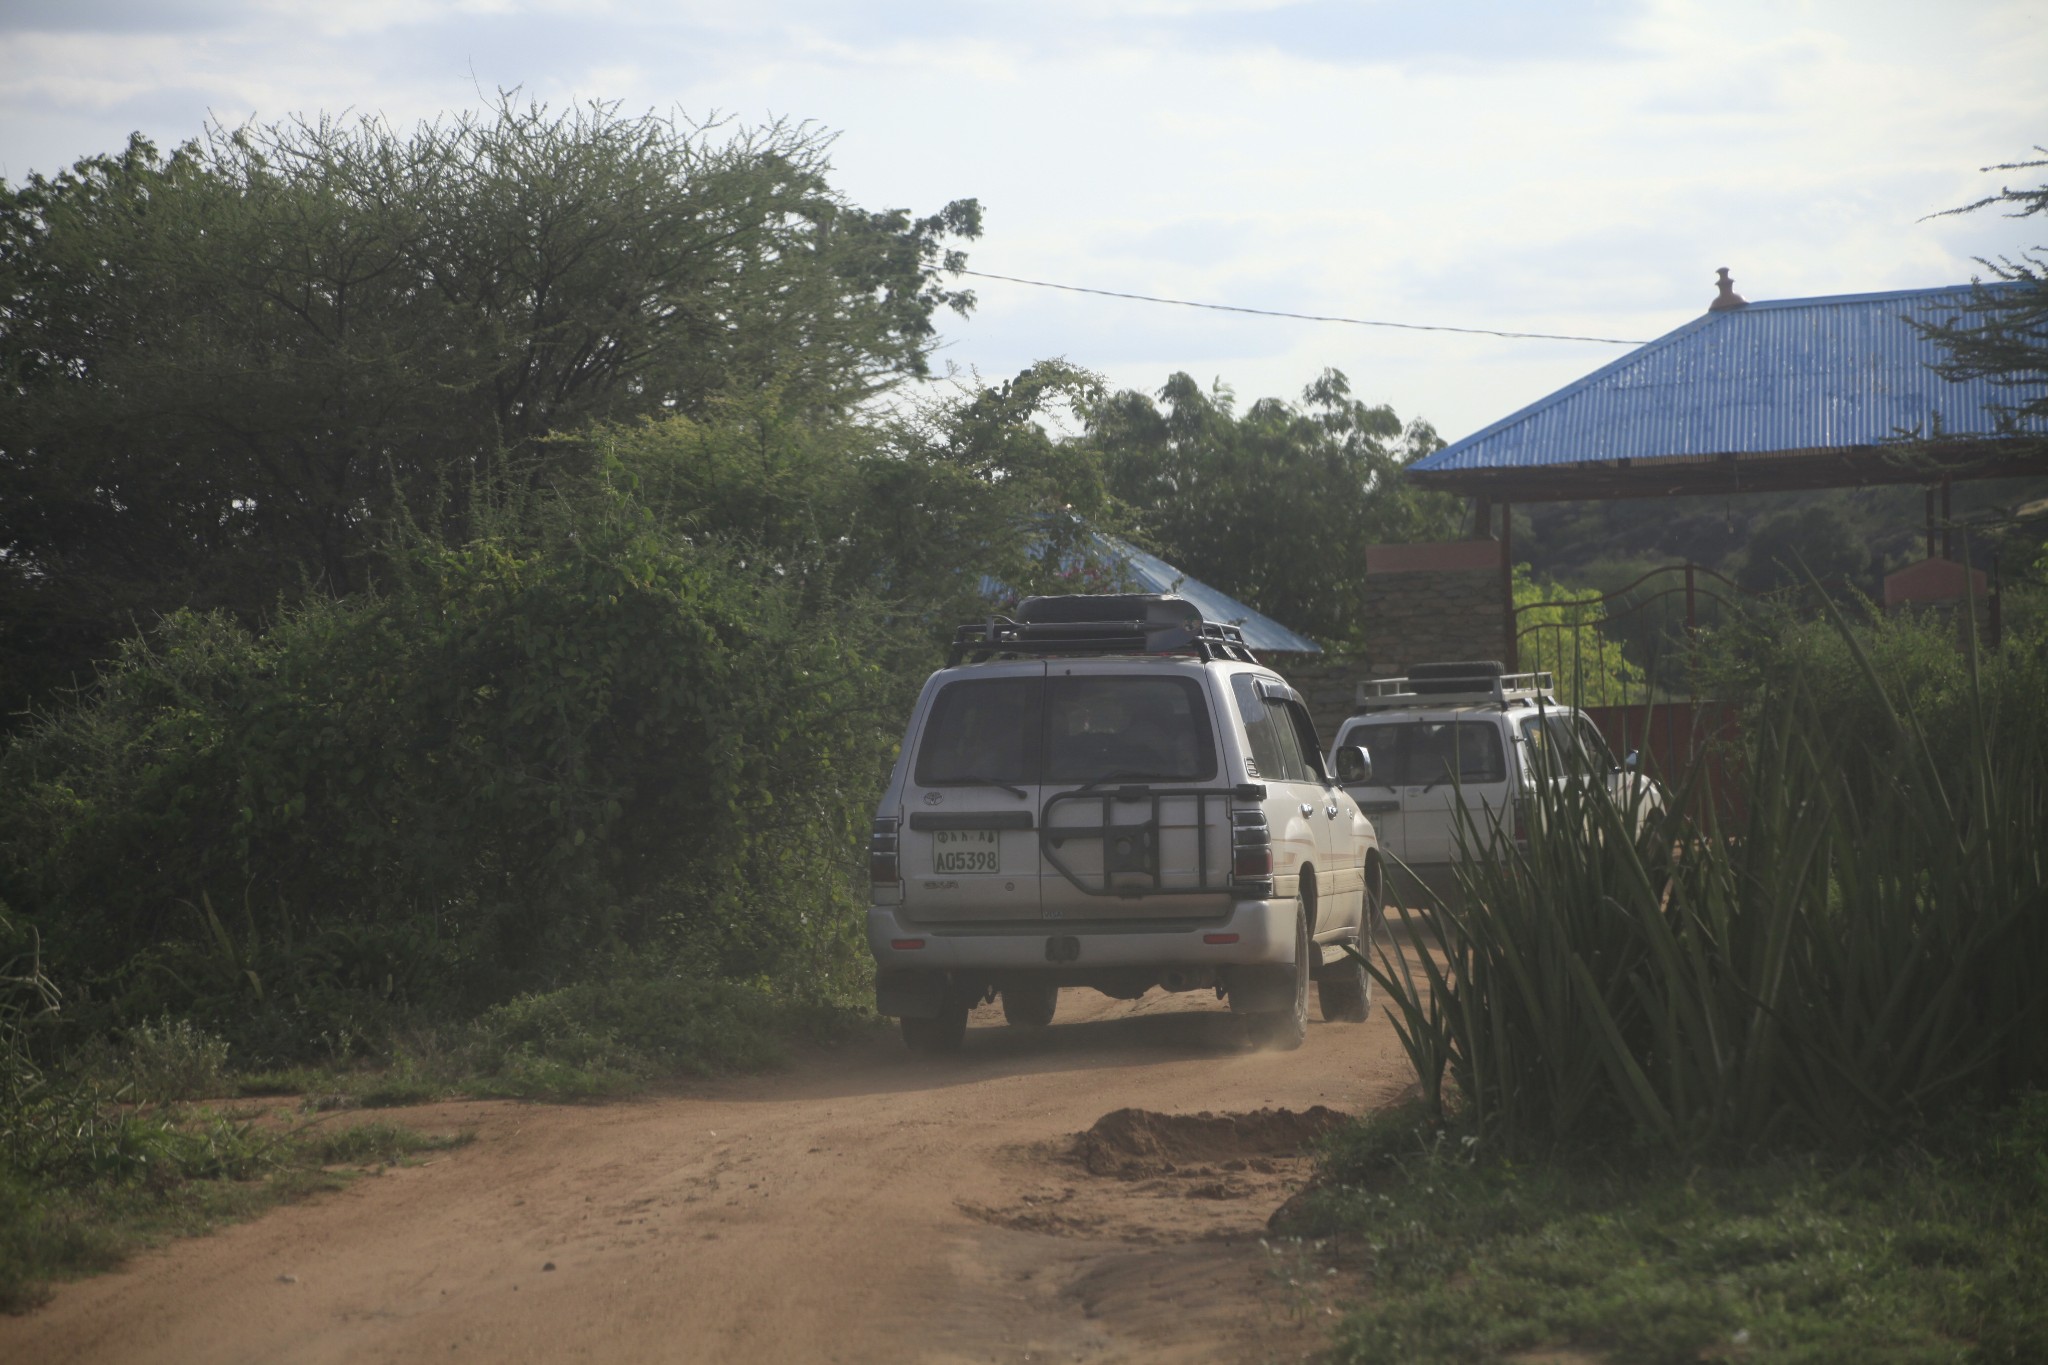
{"x": 1119, "y": 623}
{"x": 1475, "y": 689}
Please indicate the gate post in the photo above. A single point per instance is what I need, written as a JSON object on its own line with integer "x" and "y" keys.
{"x": 1507, "y": 586}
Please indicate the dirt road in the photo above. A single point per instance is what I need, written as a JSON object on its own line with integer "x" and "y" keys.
{"x": 863, "y": 1205}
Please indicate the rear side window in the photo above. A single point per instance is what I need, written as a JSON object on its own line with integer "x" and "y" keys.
{"x": 1271, "y": 732}
{"x": 1098, "y": 727}
{"x": 1423, "y": 753}
{"x": 1305, "y": 737}
{"x": 982, "y": 730}
{"x": 1565, "y": 744}
{"x": 1595, "y": 745}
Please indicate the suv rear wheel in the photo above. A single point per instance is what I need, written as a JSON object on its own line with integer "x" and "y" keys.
{"x": 1342, "y": 987}
{"x": 943, "y": 1032}
{"x": 1283, "y": 1030}
{"x": 1345, "y": 992}
{"x": 1031, "y": 1004}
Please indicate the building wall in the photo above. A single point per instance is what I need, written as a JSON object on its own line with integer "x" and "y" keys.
{"x": 1433, "y": 615}
{"x": 1423, "y": 603}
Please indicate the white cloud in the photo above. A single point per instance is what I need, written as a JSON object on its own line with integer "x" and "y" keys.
{"x": 1390, "y": 159}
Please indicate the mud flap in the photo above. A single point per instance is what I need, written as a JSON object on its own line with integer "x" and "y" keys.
{"x": 1331, "y": 955}
{"x": 909, "y": 995}
{"x": 1260, "y": 989}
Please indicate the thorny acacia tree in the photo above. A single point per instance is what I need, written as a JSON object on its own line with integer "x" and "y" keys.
{"x": 227, "y": 371}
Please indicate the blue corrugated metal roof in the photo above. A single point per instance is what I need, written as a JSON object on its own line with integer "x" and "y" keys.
{"x": 1781, "y": 375}
{"x": 1150, "y": 573}
{"x": 1153, "y": 574}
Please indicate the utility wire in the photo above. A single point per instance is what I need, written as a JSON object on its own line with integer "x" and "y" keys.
{"x": 1304, "y": 317}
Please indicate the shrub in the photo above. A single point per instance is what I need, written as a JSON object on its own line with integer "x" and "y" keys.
{"x": 173, "y": 1059}
{"x": 597, "y": 1037}
{"x": 516, "y": 761}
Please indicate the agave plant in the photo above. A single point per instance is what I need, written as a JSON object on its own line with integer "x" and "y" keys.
{"x": 1862, "y": 947}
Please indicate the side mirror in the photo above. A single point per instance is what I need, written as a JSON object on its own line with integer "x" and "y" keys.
{"x": 1354, "y": 765}
{"x": 1634, "y": 760}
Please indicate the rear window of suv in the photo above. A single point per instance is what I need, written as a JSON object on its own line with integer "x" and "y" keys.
{"x": 982, "y": 730}
{"x": 1067, "y": 730}
{"x": 1419, "y": 753}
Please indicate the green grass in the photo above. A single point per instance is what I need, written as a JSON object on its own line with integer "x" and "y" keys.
{"x": 170, "y": 1173}
{"x": 586, "y": 1041}
{"x": 1930, "y": 1252}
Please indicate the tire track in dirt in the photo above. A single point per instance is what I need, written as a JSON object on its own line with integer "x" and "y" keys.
{"x": 862, "y": 1206}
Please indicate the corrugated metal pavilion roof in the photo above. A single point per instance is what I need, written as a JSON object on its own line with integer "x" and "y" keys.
{"x": 1150, "y": 573}
{"x": 1153, "y": 574}
{"x": 1785, "y": 376}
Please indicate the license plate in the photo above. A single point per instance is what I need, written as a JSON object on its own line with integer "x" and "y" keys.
{"x": 966, "y": 850}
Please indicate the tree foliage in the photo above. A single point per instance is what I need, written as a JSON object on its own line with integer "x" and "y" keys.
{"x": 1797, "y": 546}
{"x": 230, "y": 370}
{"x": 645, "y": 709}
{"x": 1275, "y": 505}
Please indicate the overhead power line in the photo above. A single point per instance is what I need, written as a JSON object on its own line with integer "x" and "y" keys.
{"x": 1303, "y": 317}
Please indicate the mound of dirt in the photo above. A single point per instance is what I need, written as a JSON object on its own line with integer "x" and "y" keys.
{"x": 1136, "y": 1143}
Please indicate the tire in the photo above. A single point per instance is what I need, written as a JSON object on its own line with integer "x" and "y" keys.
{"x": 1345, "y": 992}
{"x": 1030, "y": 1006}
{"x": 1343, "y": 988}
{"x": 1284, "y": 1030}
{"x": 944, "y": 1032}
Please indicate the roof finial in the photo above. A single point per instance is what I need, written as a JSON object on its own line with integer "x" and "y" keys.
{"x": 1728, "y": 297}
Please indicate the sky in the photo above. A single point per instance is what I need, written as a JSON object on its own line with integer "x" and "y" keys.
{"x": 1577, "y": 167}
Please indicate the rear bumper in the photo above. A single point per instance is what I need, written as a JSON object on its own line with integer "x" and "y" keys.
{"x": 1264, "y": 933}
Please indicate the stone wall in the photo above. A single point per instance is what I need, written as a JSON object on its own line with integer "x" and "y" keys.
{"x": 1414, "y": 618}
{"x": 1426, "y": 603}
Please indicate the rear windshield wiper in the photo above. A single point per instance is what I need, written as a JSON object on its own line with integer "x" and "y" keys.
{"x": 976, "y": 780}
{"x": 1108, "y": 778}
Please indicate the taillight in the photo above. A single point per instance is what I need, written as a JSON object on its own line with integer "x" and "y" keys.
{"x": 1251, "y": 847}
{"x": 1521, "y": 819}
{"x": 884, "y": 868}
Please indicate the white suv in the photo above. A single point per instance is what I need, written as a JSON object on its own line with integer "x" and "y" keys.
{"x": 1470, "y": 735}
{"x": 1110, "y": 792}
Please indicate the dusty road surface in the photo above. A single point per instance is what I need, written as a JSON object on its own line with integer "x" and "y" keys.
{"x": 862, "y": 1205}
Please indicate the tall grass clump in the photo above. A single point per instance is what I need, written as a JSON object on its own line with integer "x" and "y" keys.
{"x": 1862, "y": 948}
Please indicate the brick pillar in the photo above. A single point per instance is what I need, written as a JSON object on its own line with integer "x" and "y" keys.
{"x": 1439, "y": 601}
